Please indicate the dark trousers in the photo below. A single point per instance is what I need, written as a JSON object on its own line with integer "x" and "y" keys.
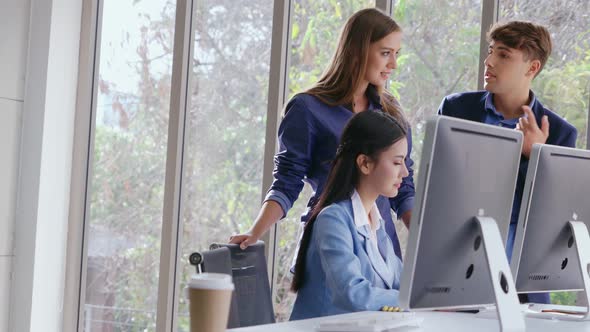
{"x": 535, "y": 298}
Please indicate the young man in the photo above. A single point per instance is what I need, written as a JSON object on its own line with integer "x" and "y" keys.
{"x": 517, "y": 53}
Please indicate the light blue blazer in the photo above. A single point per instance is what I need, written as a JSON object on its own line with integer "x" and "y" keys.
{"x": 339, "y": 276}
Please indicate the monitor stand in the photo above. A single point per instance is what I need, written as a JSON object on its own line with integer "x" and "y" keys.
{"x": 581, "y": 240}
{"x": 582, "y": 243}
{"x": 508, "y": 308}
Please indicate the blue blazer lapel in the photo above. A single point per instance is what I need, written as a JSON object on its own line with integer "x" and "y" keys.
{"x": 364, "y": 231}
{"x": 371, "y": 251}
{"x": 538, "y": 111}
{"x": 388, "y": 253}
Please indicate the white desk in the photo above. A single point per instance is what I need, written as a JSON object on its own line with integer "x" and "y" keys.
{"x": 435, "y": 321}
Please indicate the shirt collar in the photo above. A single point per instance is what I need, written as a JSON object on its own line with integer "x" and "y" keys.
{"x": 360, "y": 214}
{"x": 489, "y": 103}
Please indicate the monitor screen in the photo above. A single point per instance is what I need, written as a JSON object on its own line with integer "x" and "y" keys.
{"x": 557, "y": 190}
{"x": 467, "y": 169}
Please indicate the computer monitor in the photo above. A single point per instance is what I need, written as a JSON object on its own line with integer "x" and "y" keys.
{"x": 455, "y": 257}
{"x": 554, "y": 217}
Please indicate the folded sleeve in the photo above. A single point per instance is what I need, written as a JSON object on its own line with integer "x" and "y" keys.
{"x": 296, "y": 137}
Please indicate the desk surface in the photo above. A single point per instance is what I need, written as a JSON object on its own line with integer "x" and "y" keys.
{"x": 436, "y": 321}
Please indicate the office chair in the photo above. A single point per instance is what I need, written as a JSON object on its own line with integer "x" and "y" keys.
{"x": 251, "y": 301}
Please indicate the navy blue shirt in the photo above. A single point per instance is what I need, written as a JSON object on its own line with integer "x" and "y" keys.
{"x": 309, "y": 135}
{"x": 478, "y": 106}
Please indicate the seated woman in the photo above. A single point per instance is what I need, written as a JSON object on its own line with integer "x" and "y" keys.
{"x": 346, "y": 261}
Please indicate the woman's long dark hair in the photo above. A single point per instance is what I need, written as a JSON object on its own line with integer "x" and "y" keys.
{"x": 368, "y": 133}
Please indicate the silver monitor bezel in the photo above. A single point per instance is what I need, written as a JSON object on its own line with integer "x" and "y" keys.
{"x": 546, "y": 278}
{"x": 416, "y": 246}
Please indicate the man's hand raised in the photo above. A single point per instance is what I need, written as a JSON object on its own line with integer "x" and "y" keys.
{"x": 531, "y": 131}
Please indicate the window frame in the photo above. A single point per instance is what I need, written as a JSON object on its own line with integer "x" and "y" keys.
{"x": 82, "y": 158}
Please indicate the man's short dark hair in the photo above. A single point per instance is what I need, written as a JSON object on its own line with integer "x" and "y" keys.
{"x": 532, "y": 39}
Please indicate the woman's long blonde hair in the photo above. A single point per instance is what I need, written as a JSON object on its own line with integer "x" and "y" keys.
{"x": 349, "y": 63}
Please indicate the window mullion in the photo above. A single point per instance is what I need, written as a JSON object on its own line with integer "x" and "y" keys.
{"x": 489, "y": 16}
{"x": 171, "y": 225}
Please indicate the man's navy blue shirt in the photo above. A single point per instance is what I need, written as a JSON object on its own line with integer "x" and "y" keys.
{"x": 478, "y": 106}
{"x": 309, "y": 135}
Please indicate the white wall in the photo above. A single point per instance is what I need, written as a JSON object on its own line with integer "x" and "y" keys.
{"x": 14, "y": 31}
{"x": 39, "y": 42}
{"x": 10, "y": 128}
{"x": 14, "y": 36}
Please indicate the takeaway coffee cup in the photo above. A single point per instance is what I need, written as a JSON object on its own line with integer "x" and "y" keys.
{"x": 209, "y": 297}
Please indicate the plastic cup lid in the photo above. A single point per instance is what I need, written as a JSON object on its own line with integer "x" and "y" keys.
{"x": 211, "y": 281}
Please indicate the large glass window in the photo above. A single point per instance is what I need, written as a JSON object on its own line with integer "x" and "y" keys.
{"x": 439, "y": 56}
{"x": 316, "y": 26}
{"x": 563, "y": 85}
{"x": 127, "y": 184}
{"x": 225, "y": 126}
{"x": 226, "y": 123}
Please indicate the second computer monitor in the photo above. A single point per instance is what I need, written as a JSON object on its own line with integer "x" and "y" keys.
{"x": 557, "y": 191}
{"x": 467, "y": 170}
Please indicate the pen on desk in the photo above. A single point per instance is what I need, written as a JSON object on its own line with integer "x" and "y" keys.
{"x": 567, "y": 312}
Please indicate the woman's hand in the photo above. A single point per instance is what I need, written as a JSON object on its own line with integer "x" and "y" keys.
{"x": 244, "y": 240}
{"x": 269, "y": 214}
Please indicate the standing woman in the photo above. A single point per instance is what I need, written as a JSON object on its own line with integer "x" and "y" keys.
{"x": 310, "y": 130}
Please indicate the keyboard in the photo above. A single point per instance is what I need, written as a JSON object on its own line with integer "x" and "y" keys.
{"x": 370, "y": 321}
